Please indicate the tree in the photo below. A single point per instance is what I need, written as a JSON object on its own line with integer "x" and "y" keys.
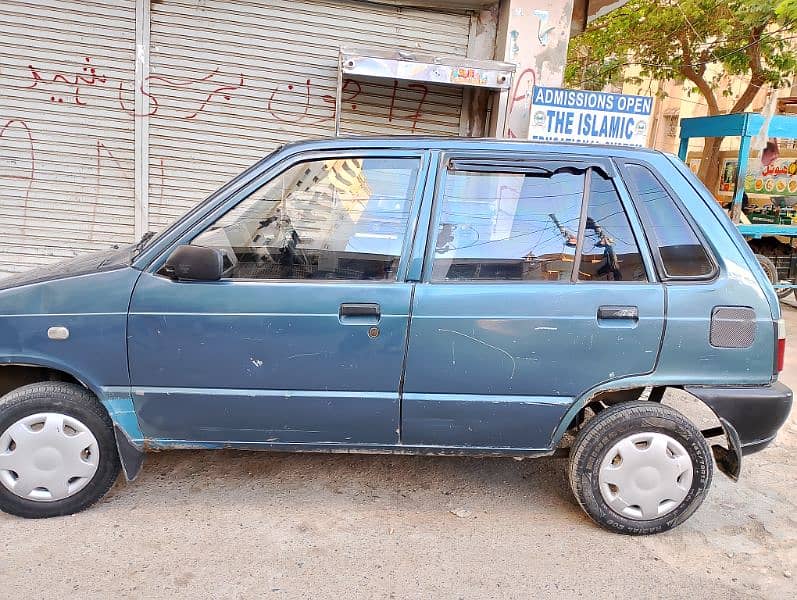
{"x": 787, "y": 9}
{"x": 701, "y": 41}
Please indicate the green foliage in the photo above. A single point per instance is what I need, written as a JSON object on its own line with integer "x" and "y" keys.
{"x": 680, "y": 39}
{"x": 787, "y": 9}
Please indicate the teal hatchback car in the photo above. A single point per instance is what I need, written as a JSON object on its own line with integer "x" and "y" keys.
{"x": 407, "y": 295}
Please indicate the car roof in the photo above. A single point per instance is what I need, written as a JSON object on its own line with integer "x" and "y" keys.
{"x": 410, "y": 142}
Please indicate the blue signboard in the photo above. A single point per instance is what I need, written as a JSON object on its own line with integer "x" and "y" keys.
{"x": 560, "y": 115}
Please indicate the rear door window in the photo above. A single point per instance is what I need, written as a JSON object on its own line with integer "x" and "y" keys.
{"x": 680, "y": 250}
{"x": 610, "y": 251}
{"x": 522, "y": 224}
{"x": 508, "y": 226}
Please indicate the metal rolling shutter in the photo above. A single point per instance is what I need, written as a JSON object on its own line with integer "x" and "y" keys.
{"x": 66, "y": 144}
{"x": 232, "y": 80}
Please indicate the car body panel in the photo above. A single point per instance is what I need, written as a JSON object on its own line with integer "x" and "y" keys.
{"x": 687, "y": 353}
{"x": 740, "y": 253}
{"x": 291, "y": 368}
{"x": 500, "y": 345}
{"x": 210, "y": 369}
{"x": 93, "y": 307}
{"x": 249, "y": 361}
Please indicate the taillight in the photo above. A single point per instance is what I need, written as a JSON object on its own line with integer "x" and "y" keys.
{"x": 781, "y": 347}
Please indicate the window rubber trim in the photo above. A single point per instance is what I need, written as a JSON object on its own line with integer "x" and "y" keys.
{"x": 582, "y": 226}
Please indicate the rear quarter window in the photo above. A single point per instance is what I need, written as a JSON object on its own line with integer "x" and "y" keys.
{"x": 681, "y": 253}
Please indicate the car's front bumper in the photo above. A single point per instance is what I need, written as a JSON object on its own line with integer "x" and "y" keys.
{"x": 755, "y": 413}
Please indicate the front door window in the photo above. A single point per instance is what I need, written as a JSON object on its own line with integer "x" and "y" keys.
{"x": 337, "y": 218}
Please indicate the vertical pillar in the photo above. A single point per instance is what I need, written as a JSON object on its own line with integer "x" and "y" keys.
{"x": 741, "y": 172}
{"x": 683, "y": 149}
{"x": 534, "y": 35}
{"x": 141, "y": 118}
{"x": 481, "y": 45}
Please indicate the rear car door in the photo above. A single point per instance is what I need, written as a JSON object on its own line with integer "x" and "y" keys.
{"x": 303, "y": 339}
{"x": 536, "y": 288}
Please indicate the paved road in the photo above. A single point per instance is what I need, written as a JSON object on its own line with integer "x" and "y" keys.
{"x": 246, "y": 525}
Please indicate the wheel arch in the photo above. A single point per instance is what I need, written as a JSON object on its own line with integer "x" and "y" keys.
{"x": 16, "y": 372}
{"x": 36, "y": 369}
{"x": 728, "y": 458}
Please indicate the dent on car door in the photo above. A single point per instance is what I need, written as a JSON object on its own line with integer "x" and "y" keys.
{"x": 302, "y": 341}
{"x": 507, "y": 332}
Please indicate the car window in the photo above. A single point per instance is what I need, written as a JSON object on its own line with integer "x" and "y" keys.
{"x": 508, "y": 226}
{"x": 682, "y": 254}
{"x": 341, "y": 218}
{"x": 610, "y": 251}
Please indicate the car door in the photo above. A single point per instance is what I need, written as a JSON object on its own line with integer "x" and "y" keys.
{"x": 506, "y": 331}
{"x": 303, "y": 339}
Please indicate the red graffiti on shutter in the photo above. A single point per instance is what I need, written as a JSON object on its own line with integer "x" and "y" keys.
{"x": 30, "y": 154}
{"x": 186, "y": 84}
{"x": 88, "y": 77}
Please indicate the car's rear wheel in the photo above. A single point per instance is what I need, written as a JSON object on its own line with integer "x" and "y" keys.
{"x": 57, "y": 450}
{"x": 640, "y": 468}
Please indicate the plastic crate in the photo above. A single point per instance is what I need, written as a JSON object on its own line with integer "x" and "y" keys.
{"x": 786, "y": 266}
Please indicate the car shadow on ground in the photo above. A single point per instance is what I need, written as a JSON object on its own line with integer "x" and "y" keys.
{"x": 394, "y": 481}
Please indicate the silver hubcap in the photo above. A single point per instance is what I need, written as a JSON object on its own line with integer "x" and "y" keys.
{"x": 47, "y": 457}
{"x": 645, "y": 475}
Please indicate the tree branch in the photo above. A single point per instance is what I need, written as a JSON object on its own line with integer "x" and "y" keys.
{"x": 695, "y": 75}
{"x": 757, "y": 78}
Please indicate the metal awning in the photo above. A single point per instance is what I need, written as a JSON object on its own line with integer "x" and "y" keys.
{"x": 425, "y": 68}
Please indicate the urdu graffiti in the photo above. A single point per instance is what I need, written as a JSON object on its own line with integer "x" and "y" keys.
{"x": 199, "y": 92}
{"x": 86, "y": 77}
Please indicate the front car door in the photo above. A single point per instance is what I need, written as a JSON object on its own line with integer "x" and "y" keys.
{"x": 536, "y": 289}
{"x": 303, "y": 339}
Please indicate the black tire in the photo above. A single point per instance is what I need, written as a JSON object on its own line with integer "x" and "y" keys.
{"x": 74, "y": 401}
{"x": 602, "y": 432}
{"x": 772, "y": 274}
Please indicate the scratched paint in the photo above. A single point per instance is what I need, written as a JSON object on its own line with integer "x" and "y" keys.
{"x": 477, "y": 340}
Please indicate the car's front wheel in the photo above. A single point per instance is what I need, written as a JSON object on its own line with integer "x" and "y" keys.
{"x": 57, "y": 450}
{"x": 640, "y": 468}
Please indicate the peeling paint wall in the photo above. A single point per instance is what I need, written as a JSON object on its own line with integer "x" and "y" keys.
{"x": 481, "y": 46}
{"x": 534, "y": 35}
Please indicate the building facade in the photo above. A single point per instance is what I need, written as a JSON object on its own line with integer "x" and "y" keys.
{"x": 116, "y": 116}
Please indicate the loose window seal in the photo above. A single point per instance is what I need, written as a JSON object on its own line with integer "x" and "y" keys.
{"x": 543, "y": 166}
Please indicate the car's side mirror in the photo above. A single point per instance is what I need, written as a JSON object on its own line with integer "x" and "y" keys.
{"x": 194, "y": 263}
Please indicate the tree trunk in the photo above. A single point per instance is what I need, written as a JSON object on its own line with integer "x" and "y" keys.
{"x": 709, "y": 172}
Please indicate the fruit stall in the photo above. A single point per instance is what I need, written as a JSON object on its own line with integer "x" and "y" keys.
{"x": 761, "y": 188}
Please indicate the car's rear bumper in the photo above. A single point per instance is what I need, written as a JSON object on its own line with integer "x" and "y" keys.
{"x": 756, "y": 413}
